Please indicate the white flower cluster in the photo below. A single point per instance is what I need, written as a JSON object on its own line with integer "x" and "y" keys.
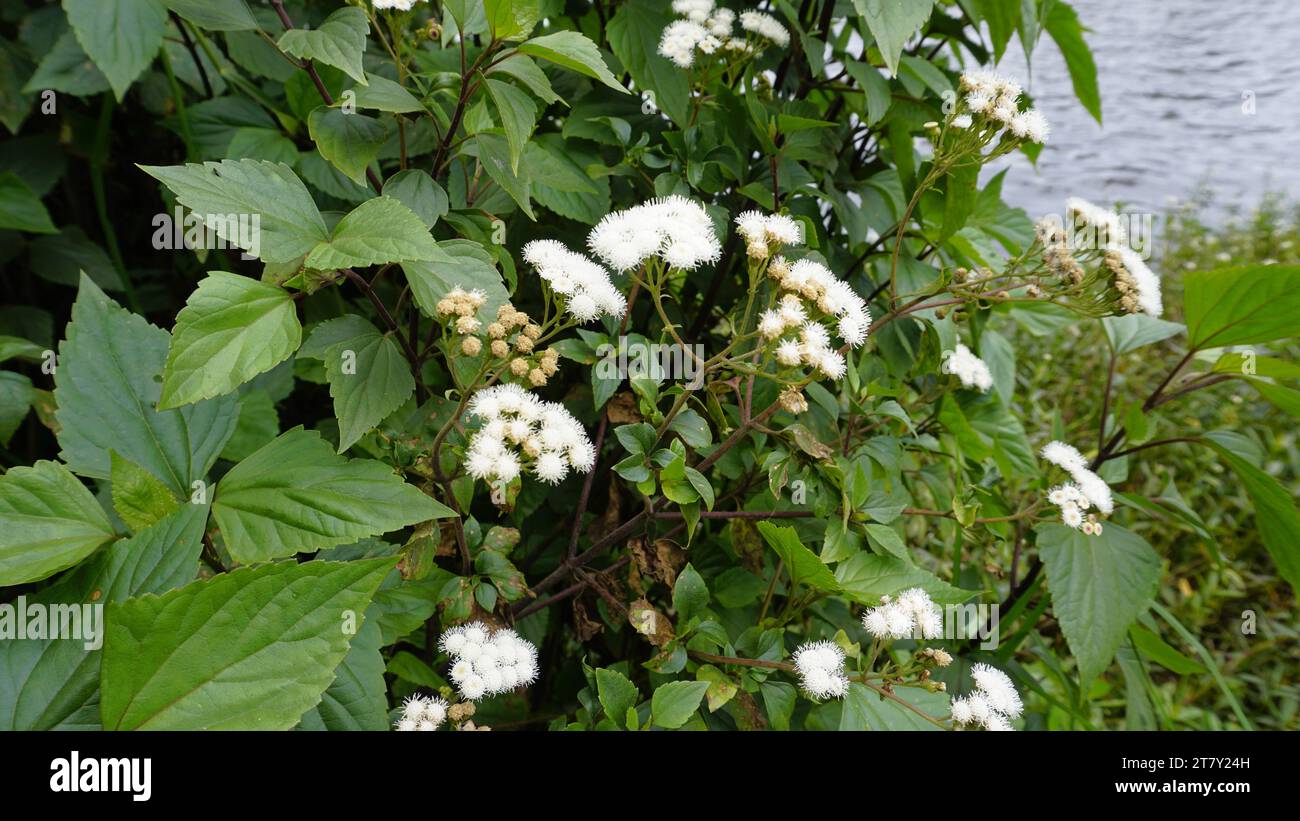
{"x": 764, "y": 233}
{"x": 400, "y": 5}
{"x": 518, "y": 426}
{"x": 820, "y": 665}
{"x": 487, "y": 662}
{"x": 422, "y": 713}
{"x": 967, "y": 367}
{"x": 587, "y": 290}
{"x": 993, "y": 704}
{"x": 1105, "y": 222}
{"x": 676, "y": 229}
{"x": 808, "y": 280}
{"x": 912, "y": 613}
{"x": 765, "y": 26}
{"x": 1073, "y": 498}
{"x": 998, "y": 98}
{"x": 705, "y": 28}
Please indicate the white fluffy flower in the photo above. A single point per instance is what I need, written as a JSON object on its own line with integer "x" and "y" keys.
{"x": 424, "y": 713}
{"x": 561, "y": 441}
{"x": 679, "y": 41}
{"x": 1105, "y": 221}
{"x": 765, "y": 26}
{"x": 820, "y": 665}
{"x": 585, "y": 286}
{"x": 505, "y": 662}
{"x": 969, "y": 368}
{"x": 676, "y": 229}
{"x": 998, "y": 689}
{"x": 1148, "y": 284}
{"x": 1092, "y": 487}
{"x": 1031, "y": 124}
{"x": 399, "y": 5}
{"x": 762, "y": 231}
{"x": 912, "y": 614}
{"x": 993, "y": 704}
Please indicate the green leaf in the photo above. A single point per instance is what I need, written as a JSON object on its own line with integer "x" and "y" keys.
{"x": 258, "y": 423}
{"x": 888, "y": 540}
{"x": 1099, "y": 586}
{"x": 1132, "y": 331}
{"x": 67, "y": 69}
{"x": 800, "y": 562}
{"x": 415, "y": 189}
{"x": 48, "y": 522}
{"x": 1276, "y": 516}
{"x": 633, "y": 34}
{"x": 867, "y": 710}
{"x": 518, "y": 116}
{"x": 54, "y": 683}
{"x": 510, "y": 19}
{"x": 493, "y": 153}
{"x": 617, "y": 694}
{"x": 296, "y": 494}
{"x": 369, "y": 376}
{"x": 22, "y": 210}
{"x": 106, "y": 388}
{"x": 139, "y": 498}
{"x": 892, "y": 23}
{"x": 62, "y": 257}
{"x": 1062, "y": 24}
{"x": 289, "y": 224}
{"x": 690, "y": 595}
{"x": 16, "y": 397}
{"x": 350, "y": 141}
{"x": 383, "y": 94}
{"x": 874, "y": 86}
{"x": 865, "y": 577}
{"x": 357, "y": 698}
{"x": 674, "y": 703}
{"x": 1002, "y": 16}
{"x": 227, "y": 15}
{"x": 1241, "y": 305}
{"x": 574, "y": 52}
{"x": 231, "y": 329}
{"x": 121, "y": 36}
{"x": 1156, "y": 649}
{"x": 525, "y": 70}
{"x": 960, "y": 195}
{"x": 251, "y": 649}
{"x": 377, "y": 231}
{"x": 464, "y": 264}
{"x": 339, "y": 41}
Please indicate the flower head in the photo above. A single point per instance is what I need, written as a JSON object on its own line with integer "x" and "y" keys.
{"x": 676, "y": 229}
{"x": 518, "y": 427}
{"x": 993, "y": 703}
{"x": 820, "y": 665}
{"x": 584, "y": 286}
{"x": 968, "y": 368}
{"x": 505, "y": 661}
{"x": 765, "y": 26}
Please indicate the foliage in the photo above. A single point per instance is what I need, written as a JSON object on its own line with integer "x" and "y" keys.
{"x": 271, "y": 427}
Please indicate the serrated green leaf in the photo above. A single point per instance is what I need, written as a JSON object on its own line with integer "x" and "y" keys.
{"x": 296, "y": 494}
{"x": 1241, "y": 305}
{"x": 54, "y": 683}
{"x": 376, "y": 232}
{"x": 48, "y": 522}
{"x": 339, "y": 41}
{"x": 801, "y": 563}
{"x": 231, "y": 329}
{"x": 250, "y": 649}
{"x": 575, "y": 52}
{"x": 289, "y": 224}
{"x": 415, "y": 189}
{"x": 121, "y": 36}
{"x": 227, "y": 15}
{"x": 106, "y": 388}
{"x": 349, "y": 141}
{"x": 518, "y": 116}
{"x": 369, "y": 376}
{"x": 139, "y": 498}
{"x": 1099, "y": 586}
{"x": 617, "y": 695}
{"x": 357, "y": 698}
{"x": 865, "y": 577}
{"x": 892, "y": 24}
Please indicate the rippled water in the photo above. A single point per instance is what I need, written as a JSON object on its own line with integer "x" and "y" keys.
{"x": 1172, "y": 75}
